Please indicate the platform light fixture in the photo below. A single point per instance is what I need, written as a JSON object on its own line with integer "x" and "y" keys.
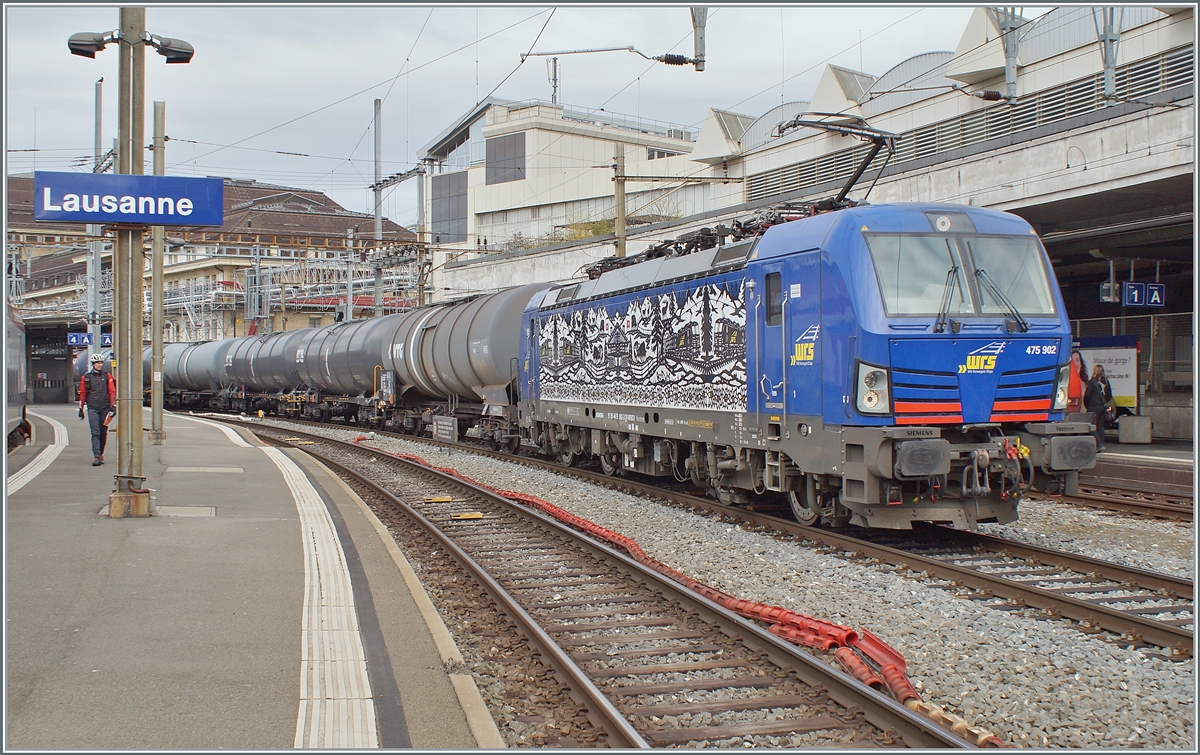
{"x": 88, "y": 43}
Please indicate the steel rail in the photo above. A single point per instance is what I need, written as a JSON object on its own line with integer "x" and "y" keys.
{"x": 879, "y": 710}
{"x": 1088, "y": 614}
{"x": 1156, "y": 509}
{"x": 1144, "y": 578}
{"x": 600, "y": 709}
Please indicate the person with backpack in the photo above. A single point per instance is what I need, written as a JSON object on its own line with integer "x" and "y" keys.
{"x": 98, "y": 391}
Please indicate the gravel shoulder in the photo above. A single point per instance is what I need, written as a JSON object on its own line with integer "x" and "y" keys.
{"x": 1034, "y": 682}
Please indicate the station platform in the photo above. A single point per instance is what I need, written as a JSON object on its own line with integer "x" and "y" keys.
{"x": 262, "y": 605}
{"x": 1159, "y": 452}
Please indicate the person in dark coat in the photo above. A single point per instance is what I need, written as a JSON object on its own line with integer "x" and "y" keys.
{"x": 98, "y": 391}
{"x": 1096, "y": 398}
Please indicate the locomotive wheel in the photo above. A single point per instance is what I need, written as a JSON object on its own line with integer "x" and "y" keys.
{"x": 512, "y": 445}
{"x": 610, "y": 464}
{"x": 806, "y": 512}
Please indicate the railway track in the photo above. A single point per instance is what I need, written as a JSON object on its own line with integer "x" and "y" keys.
{"x": 1162, "y": 490}
{"x": 651, "y": 662}
{"x": 1144, "y": 607}
{"x": 1130, "y": 499}
{"x": 1139, "y": 607}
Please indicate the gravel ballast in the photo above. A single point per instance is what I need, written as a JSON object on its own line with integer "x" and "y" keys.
{"x": 1034, "y": 682}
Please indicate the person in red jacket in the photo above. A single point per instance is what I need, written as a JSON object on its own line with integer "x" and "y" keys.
{"x": 1076, "y": 384}
{"x": 98, "y": 391}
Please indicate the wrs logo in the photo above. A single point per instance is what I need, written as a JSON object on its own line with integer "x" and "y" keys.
{"x": 983, "y": 359}
{"x": 804, "y": 350}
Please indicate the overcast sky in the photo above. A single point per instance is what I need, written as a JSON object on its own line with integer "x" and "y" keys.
{"x": 302, "y": 79}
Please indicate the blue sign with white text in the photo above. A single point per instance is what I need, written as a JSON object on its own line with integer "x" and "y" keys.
{"x": 106, "y": 339}
{"x": 79, "y": 339}
{"x": 1134, "y": 294}
{"x": 137, "y": 200}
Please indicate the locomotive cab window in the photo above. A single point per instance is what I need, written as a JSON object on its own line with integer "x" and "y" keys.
{"x": 774, "y": 296}
{"x": 964, "y": 274}
{"x": 915, "y": 271}
{"x": 1014, "y": 266}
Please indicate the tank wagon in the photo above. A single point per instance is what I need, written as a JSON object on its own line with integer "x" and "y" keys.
{"x": 878, "y": 366}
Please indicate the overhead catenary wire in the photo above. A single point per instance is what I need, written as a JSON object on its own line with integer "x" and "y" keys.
{"x": 367, "y": 89}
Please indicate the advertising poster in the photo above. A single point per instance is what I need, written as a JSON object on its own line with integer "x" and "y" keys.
{"x": 1118, "y": 355}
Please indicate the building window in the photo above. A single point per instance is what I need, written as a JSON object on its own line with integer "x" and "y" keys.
{"x": 314, "y": 321}
{"x": 505, "y": 159}
{"x": 654, "y": 153}
{"x": 449, "y": 207}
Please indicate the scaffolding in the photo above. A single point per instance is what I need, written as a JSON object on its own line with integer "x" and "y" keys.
{"x": 197, "y": 311}
{"x": 327, "y": 285}
{"x": 388, "y": 280}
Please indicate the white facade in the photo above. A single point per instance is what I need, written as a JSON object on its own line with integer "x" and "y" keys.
{"x": 561, "y": 187}
{"x": 1055, "y": 140}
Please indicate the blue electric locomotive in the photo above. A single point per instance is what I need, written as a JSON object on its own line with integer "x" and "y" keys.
{"x": 878, "y": 365}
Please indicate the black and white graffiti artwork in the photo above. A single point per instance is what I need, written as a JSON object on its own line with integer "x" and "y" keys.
{"x": 677, "y": 349}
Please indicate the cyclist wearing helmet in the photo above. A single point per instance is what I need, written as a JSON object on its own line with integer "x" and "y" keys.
{"x": 98, "y": 390}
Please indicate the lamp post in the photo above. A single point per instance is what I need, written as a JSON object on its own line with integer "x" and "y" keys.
{"x": 128, "y": 254}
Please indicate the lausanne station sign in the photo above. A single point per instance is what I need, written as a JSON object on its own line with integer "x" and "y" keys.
{"x": 128, "y": 199}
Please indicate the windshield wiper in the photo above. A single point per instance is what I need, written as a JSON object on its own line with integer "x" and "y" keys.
{"x": 982, "y": 276}
{"x": 947, "y": 298}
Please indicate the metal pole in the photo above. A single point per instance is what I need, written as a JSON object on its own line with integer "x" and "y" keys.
{"x": 128, "y": 270}
{"x": 96, "y": 245}
{"x": 378, "y": 207}
{"x": 1008, "y": 29}
{"x": 619, "y": 167}
{"x": 350, "y": 286}
{"x": 422, "y": 236}
{"x": 158, "y": 436}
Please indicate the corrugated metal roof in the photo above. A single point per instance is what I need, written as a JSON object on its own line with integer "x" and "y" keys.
{"x": 758, "y": 133}
{"x": 911, "y": 81}
{"x": 1064, "y": 29}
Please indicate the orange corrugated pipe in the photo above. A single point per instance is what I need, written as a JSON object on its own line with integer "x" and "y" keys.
{"x": 794, "y": 627}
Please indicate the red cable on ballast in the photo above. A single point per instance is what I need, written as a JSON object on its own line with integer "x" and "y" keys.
{"x": 795, "y": 627}
{"x": 792, "y": 626}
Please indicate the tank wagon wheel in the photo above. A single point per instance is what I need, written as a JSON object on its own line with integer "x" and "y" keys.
{"x": 512, "y": 445}
{"x": 565, "y": 456}
{"x": 610, "y": 464}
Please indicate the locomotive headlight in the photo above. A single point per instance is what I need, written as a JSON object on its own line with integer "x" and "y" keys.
{"x": 872, "y": 394}
{"x": 1061, "y": 384}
